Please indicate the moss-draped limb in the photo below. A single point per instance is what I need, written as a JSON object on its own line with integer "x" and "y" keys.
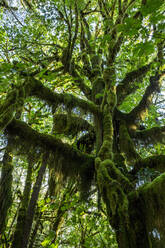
{"x": 127, "y": 85}
{"x": 70, "y": 124}
{"x": 156, "y": 162}
{"x": 150, "y": 135}
{"x": 126, "y": 144}
{"x": 66, "y": 161}
{"x": 44, "y": 93}
{"x": 93, "y": 59}
{"x": 139, "y": 111}
{"x": 23, "y": 131}
{"x": 84, "y": 56}
{"x": 106, "y": 148}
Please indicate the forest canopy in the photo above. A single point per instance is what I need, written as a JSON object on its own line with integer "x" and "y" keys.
{"x": 82, "y": 106}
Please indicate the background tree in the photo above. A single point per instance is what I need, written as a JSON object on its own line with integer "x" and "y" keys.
{"x": 82, "y": 94}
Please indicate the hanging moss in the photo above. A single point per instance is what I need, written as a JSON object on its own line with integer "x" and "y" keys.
{"x": 62, "y": 167}
{"x": 69, "y": 124}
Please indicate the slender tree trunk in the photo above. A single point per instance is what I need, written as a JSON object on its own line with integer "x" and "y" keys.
{"x": 36, "y": 226}
{"x": 22, "y": 211}
{"x": 5, "y": 186}
{"x": 34, "y": 232}
{"x": 32, "y": 203}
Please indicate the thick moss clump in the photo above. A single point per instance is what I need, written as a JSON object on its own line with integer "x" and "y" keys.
{"x": 108, "y": 178}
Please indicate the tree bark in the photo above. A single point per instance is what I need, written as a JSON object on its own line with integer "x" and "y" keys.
{"x": 6, "y": 186}
{"x": 23, "y": 209}
{"x": 32, "y": 203}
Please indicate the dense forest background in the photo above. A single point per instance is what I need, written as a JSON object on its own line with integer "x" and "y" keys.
{"x": 82, "y": 106}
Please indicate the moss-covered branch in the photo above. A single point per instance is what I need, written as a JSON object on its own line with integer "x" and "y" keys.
{"x": 65, "y": 161}
{"x": 156, "y": 162}
{"x": 27, "y": 134}
{"x": 70, "y": 124}
{"x": 44, "y": 93}
{"x": 151, "y": 135}
{"x": 127, "y": 85}
{"x": 139, "y": 111}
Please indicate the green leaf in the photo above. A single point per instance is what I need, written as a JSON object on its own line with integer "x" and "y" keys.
{"x": 45, "y": 242}
{"x": 151, "y": 7}
{"x": 145, "y": 49}
{"x": 99, "y": 95}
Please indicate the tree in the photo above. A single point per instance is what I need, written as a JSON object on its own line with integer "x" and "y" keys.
{"x": 81, "y": 93}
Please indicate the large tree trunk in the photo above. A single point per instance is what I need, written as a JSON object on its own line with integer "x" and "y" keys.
{"x": 133, "y": 234}
{"x": 143, "y": 223}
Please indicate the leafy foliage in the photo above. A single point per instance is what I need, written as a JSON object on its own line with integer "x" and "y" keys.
{"x": 82, "y": 123}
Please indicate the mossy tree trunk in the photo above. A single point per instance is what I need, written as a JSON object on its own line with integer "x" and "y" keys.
{"x": 94, "y": 62}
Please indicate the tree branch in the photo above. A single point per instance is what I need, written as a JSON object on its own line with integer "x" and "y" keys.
{"x": 152, "y": 135}
{"x": 28, "y": 135}
{"x": 146, "y": 100}
{"x": 52, "y": 98}
{"x": 127, "y": 86}
{"x": 156, "y": 162}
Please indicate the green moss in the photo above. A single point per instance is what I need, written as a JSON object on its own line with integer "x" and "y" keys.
{"x": 105, "y": 151}
{"x": 98, "y": 90}
{"x": 108, "y": 178}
